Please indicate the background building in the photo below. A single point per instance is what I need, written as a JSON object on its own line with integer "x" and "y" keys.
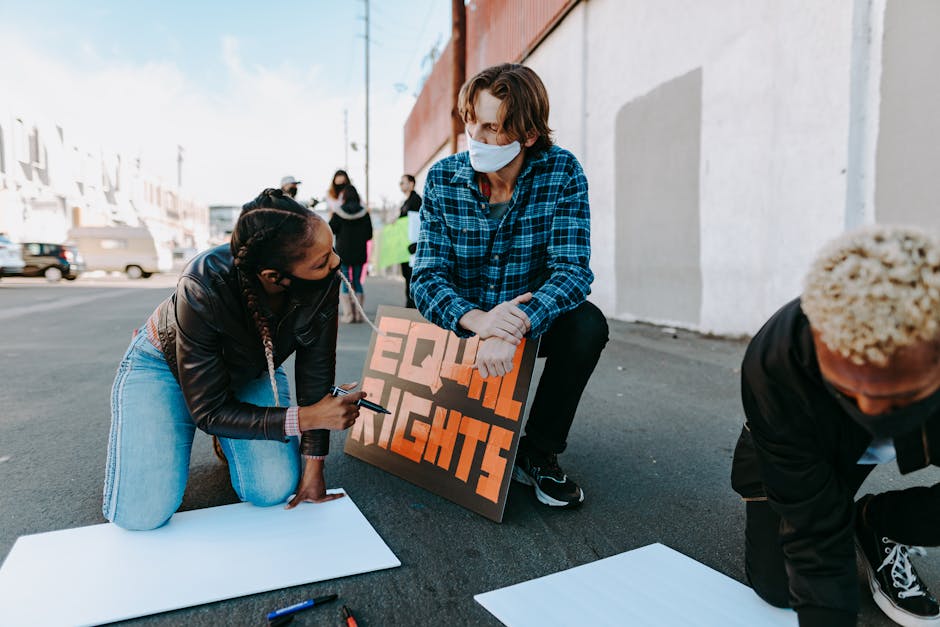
{"x": 222, "y": 219}
{"x": 723, "y": 141}
{"x": 49, "y": 183}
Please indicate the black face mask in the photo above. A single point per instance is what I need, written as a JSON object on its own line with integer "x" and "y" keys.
{"x": 893, "y": 423}
{"x": 291, "y": 191}
{"x": 303, "y": 289}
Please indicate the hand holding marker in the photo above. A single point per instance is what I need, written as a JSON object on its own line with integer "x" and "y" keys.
{"x": 338, "y": 391}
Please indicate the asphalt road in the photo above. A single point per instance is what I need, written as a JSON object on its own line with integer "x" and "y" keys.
{"x": 651, "y": 446}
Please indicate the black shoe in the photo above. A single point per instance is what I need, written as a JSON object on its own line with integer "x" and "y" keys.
{"x": 895, "y": 585}
{"x": 552, "y": 485}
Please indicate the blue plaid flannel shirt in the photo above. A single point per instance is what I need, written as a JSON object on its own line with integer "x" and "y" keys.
{"x": 542, "y": 244}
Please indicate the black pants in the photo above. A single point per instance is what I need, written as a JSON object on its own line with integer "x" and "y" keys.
{"x": 910, "y": 516}
{"x": 571, "y": 347}
{"x": 406, "y": 272}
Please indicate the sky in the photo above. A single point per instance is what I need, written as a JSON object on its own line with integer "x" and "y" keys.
{"x": 252, "y": 91}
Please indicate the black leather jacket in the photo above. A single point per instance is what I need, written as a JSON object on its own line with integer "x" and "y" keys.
{"x": 212, "y": 347}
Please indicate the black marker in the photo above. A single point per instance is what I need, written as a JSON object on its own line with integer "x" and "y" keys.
{"x": 338, "y": 391}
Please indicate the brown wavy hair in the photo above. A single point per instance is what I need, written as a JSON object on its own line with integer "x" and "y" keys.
{"x": 272, "y": 232}
{"x": 524, "y": 102}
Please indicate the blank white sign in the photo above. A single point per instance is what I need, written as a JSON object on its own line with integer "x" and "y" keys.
{"x": 653, "y": 585}
{"x": 102, "y": 573}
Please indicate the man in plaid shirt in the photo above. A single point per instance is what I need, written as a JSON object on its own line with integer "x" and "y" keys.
{"x": 504, "y": 252}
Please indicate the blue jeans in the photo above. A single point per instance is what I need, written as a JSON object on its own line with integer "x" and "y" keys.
{"x": 152, "y": 436}
{"x": 354, "y": 274}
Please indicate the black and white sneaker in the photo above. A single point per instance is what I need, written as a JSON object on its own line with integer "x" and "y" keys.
{"x": 895, "y": 585}
{"x": 552, "y": 485}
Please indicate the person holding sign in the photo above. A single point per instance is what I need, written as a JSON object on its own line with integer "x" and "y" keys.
{"x": 503, "y": 253}
{"x": 837, "y": 381}
{"x": 210, "y": 357}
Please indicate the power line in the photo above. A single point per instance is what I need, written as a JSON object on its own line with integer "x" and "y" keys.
{"x": 417, "y": 50}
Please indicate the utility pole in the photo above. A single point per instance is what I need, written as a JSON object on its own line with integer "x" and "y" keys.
{"x": 346, "y": 139}
{"x": 179, "y": 166}
{"x": 367, "y": 103}
{"x": 459, "y": 68}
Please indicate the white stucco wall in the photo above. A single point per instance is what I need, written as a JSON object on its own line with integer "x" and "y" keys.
{"x": 775, "y": 132}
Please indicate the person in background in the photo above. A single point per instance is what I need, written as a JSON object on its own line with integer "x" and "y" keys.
{"x": 409, "y": 209}
{"x": 837, "y": 381}
{"x": 352, "y": 226}
{"x": 289, "y": 186}
{"x": 334, "y": 194}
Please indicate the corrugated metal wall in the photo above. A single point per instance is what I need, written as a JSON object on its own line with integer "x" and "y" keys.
{"x": 498, "y": 31}
{"x": 428, "y": 125}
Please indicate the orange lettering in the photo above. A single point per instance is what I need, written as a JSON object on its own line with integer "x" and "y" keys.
{"x": 506, "y": 406}
{"x": 412, "y": 449}
{"x": 380, "y": 362}
{"x": 494, "y": 464}
{"x": 389, "y": 419}
{"x": 443, "y": 437}
{"x": 459, "y": 371}
{"x": 492, "y": 389}
{"x": 474, "y": 432}
{"x": 428, "y": 372}
{"x": 364, "y": 428}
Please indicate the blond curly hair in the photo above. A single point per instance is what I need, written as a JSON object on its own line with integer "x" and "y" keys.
{"x": 874, "y": 290}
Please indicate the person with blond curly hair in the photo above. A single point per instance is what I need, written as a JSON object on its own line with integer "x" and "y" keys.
{"x": 837, "y": 381}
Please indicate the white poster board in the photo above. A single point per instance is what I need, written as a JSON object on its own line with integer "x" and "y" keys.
{"x": 650, "y": 586}
{"x": 102, "y": 573}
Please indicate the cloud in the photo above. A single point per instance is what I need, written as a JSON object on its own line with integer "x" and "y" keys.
{"x": 252, "y": 126}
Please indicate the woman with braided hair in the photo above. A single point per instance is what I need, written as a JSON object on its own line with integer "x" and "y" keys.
{"x": 210, "y": 357}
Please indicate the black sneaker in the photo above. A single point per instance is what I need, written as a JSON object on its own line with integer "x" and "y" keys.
{"x": 895, "y": 585}
{"x": 552, "y": 485}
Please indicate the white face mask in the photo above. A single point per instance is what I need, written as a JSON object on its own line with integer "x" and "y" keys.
{"x": 490, "y": 158}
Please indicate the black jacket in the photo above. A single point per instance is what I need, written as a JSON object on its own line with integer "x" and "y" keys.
{"x": 352, "y": 233}
{"x": 213, "y": 348}
{"x": 412, "y": 203}
{"x": 798, "y": 449}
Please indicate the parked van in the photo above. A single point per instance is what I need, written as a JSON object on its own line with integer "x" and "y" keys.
{"x": 129, "y": 249}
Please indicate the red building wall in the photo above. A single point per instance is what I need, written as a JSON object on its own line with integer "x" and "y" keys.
{"x": 498, "y": 31}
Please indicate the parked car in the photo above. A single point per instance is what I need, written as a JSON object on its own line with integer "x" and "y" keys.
{"x": 11, "y": 259}
{"x": 128, "y": 249}
{"x": 53, "y": 261}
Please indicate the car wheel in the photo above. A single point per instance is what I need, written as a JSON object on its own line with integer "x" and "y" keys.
{"x": 134, "y": 272}
{"x": 52, "y": 274}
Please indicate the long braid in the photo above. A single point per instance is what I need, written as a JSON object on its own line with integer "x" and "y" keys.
{"x": 244, "y": 261}
{"x": 254, "y": 309}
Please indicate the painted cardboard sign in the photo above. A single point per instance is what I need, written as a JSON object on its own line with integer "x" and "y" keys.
{"x": 450, "y": 431}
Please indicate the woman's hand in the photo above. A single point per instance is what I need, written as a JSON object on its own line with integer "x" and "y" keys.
{"x": 312, "y": 486}
{"x": 331, "y": 412}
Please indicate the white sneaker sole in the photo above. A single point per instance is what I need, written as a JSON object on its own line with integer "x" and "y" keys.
{"x": 520, "y": 476}
{"x": 892, "y": 611}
